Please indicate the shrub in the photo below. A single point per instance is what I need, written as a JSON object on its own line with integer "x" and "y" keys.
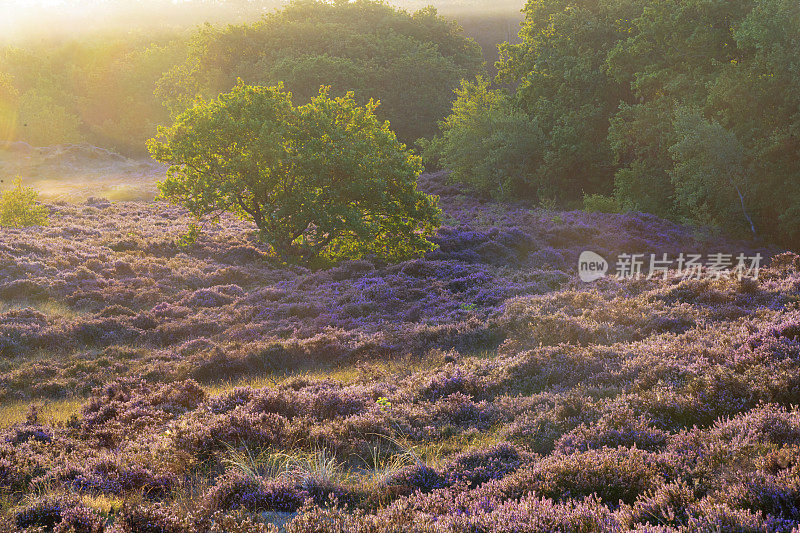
{"x": 325, "y": 178}
{"x": 489, "y": 145}
{"x": 613, "y": 474}
{"x": 19, "y": 207}
{"x": 598, "y": 203}
{"x": 479, "y": 466}
{"x": 235, "y": 492}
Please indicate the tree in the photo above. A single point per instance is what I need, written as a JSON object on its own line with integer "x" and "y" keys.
{"x": 709, "y": 173}
{"x": 19, "y": 207}
{"x": 489, "y": 144}
{"x": 8, "y": 109}
{"x": 559, "y": 71}
{"x": 733, "y": 159}
{"x": 548, "y": 140}
{"x": 325, "y": 178}
{"x": 411, "y": 63}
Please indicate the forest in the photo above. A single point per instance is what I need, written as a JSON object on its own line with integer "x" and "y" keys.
{"x": 687, "y": 110}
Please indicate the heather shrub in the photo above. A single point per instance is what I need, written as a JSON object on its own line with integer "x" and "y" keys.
{"x": 254, "y": 430}
{"x": 613, "y": 474}
{"x": 776, "y": 494}
{"x": 19, "y": 208}
{"x": 553, "y": 417}
{"x": 672, "y": 396}
{"x": 46, "y": 513}
{"x": 612, "y": 431}
{"x": 479, "y": 466}
{"x": 416, "y": 477}
{"x": 452, "y": 379}
{"x": 153, "y": 518}
{"x": 80, "y": 520}
{"x": 667, "y": 505}
{"x": 60, "y": 515}
{"x": 239, "y": 492}
{"x": 482, "y": 510}
{"x": 598, "y": 203}
{"x": 713, "y": 516}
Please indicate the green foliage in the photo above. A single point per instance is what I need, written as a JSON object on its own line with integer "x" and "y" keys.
{"x": 599, "y": 203}
{"x": 410, "y": 62}
{"x": 488, "y": 144}
{"x": 96, "y": 90}
{"x": 109, "y": 89}
{"x": 383, "y": 403}
{"x": 323, "y": 179}
{"x": 637, "y": 135}
{"x": 712, "y": 134}
{"x": 688, "y": 109}
{"x": 8, "y": 108}
{"x": 45, "y": 122}
{"x": 190, "y": 237}
{"x": 19, "y": 208}
{"x": 559, "y": 70}
{"x": 549, "y": 139}
{"x": 708, "y": 172}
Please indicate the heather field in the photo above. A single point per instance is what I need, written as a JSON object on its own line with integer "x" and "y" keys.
{"x": 152, "y": 386}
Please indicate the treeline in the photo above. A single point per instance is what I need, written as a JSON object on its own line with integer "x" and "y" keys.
{"x": 98, "y": 90}
{"x": 688, "y": 109}
{"x": 410, "y": 62}
{"x": 114, "y": 91}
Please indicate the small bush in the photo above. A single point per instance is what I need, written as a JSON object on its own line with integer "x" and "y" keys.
{"x": 19, "y": 207}
{"x": 598, "y": 203}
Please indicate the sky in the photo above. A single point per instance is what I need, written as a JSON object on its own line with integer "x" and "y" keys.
{"x": 19, "y": 18}
{"x": 26, "y": 19}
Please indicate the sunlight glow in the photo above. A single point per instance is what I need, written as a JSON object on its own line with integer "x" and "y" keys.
{"x": 43, "y": 18}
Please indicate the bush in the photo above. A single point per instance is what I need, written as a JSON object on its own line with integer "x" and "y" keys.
{"x": 598, "y": 203}
{"x": 687, "y": 109}
{"x": 323, "y": 179}
{"x": 19, "y": 209}
{"x": 489, "y": 145}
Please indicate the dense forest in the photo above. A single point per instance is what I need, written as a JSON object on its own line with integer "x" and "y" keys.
{"x": 686, "y": 108}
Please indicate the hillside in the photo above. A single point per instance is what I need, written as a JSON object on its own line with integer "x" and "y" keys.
{"x": 482, "y": 388}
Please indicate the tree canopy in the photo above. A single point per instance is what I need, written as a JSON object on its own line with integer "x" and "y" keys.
{"x": 410, "y": 62}
{"x": 685, "y": 108}
{"x": 326, "y": 178}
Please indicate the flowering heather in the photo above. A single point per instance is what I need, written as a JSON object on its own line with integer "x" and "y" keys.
{"x": 480, "y": 388}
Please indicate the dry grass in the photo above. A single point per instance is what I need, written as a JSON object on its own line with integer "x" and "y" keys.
{"x": 49, "y": 308}
{"x": 50, "y": 412}
{"x": 395, "y": 368}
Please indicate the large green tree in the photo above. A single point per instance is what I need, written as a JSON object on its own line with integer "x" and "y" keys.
{"x": 560, "y": 87}
{"x": 713, "y": 133}
{"x": 689, "y": 109}
{"x": 410, "y": 62}
{"x": 489, "y": 144}
{"x": 324, "y": 178}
